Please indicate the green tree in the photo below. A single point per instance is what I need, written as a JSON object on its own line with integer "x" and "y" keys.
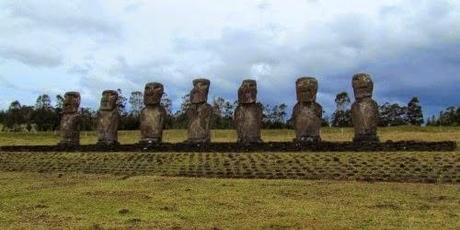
{"x": 167, "y": 104}
{"x": 44, "y": 116}
{"x": 88, "y": 119}
{"x": 13, "y": 117}
{"x": 136, "y": 102}
{"x": 414, "y": 112}
{"x": 342, "y": 115}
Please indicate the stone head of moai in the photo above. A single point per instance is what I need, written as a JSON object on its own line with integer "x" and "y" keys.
{"x": 306, "y": 89}
{"x": 199, "y": 93}
{"x": 247, "y": 93}
{"x": 362, "y": 86}
{"x": 153, "y": 93}
{"x": 109, "y": 100}
{"x": 71, "y": 102}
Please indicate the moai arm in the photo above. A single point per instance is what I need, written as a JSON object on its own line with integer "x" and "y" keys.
{"x": 294, "y": 115}
{"x": 78, "y": 122}
{"x": 76, "y": 127}
{"x": 100, "y": 130}
{"x": 142, "y": 124}
{"x": 238, "y": 118}
{"x": 191, "y": 111}
{"x": 117, "y": 121}
{"x": 163, "y": 116}
{"x": 319, "y": 110}
{"x": 207, "y": 112}
{"x": 259, "y": 114}
{"x": 375, "y": 114}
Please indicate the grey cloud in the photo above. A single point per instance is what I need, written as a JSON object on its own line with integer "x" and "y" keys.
{"x": 67, "y": 16}
{"x": 7, "y": 84}
{"x": 410, "y": 49}
{"x": 32, "y": 57}
{"x": 405, "y": 62}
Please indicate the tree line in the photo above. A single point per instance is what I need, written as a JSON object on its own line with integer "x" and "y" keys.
{"x": 44, "y": 116}
{"x": 390, "y": 114}
{"x": 448, "y": 117}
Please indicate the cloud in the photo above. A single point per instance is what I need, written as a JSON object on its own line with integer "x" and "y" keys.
{"x": 34, "y": 57}
{"x": 63, "y": 16}
{"x": 408, "y": 46}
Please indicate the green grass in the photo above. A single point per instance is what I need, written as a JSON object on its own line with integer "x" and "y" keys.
{"x": 146, "y": 190}
{"x": 35, "y": 201}
{"x": 327, "y": 134}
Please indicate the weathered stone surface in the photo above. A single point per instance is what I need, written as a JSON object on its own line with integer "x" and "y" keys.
{"x": 70, "y": 121}
{"x": 248, "y": 114}
{"x": 306, "y": 114}
{"x": 199, "y": 113}
{"x": 364, "y": 111}
{"x": 108, "y": 119}
{"x": 153, "y": 115}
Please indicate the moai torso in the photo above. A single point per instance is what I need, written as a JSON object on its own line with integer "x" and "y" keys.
{"x": 307, "y": 122}
{"x": 153, "y": 116}
{"x": 248, "y": 114}
{"x": 248, "y": 121}
{"x": 199, "y": 113}
{"x": 199, "y": 130}
{"x": 307, "y": 113}
{"x": 365, "y": 118}
{"x": 152, "y": 122}
{"x": 70, "y": 121}
{"x": 108, "y": 119}
{"x": 364, "y": 111}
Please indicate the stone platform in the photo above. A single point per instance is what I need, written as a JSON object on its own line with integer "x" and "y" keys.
{"x": 235, "y": 147}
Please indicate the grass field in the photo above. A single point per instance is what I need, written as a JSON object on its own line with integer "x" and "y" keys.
{"x": 37, "y": 201}
{"x": 138, "y": 190}
{"x": 327, "y": 134}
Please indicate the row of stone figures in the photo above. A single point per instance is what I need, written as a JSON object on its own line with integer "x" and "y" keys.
{"x": 247, "y": 117}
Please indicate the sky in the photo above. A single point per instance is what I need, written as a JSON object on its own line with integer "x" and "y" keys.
{"x": 410, "y": 47}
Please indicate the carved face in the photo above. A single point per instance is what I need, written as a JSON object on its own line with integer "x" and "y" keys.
{"x": 152, "y": 93}
{"x": 199, "y": 93}
{"x": 247, "y": 93}
{"x": 109, "y": 100}
{"x": 71, "y": 102}
{"x": 362, "y": 85}
{"x": 306, "y": 89}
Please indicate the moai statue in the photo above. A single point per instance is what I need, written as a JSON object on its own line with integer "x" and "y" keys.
{"x": 153, "y": 115}
{"x": 248, "y": 114}
{"x": 307, "y": 114}
{"x": 199, "y": 113}
{"x": 70, "y": 121}
{"x": 108, "y": 119}
{"x": 364, "y": 111}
